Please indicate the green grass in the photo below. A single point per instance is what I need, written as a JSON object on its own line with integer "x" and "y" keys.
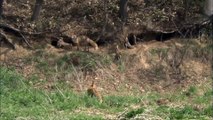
{"x": 157, "y": 51}
{"x": 47, "y": 62}
{"x": 133, "y": 113}
{"x": 85, "y": 117}
{"x": 19, "y": 100}
{"x": 121, "y": 66}
{"x": 56, "y": 68}
{"x": 186, "y": 113}
{"x": 90, "y": 61}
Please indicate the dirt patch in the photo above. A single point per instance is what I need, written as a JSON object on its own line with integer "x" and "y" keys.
{"x": 7, "y": 53}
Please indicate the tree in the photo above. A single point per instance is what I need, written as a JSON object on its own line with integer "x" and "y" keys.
{"x": 1, "y": 7}
{"x": 37, "y": 9}
{"x": 123, "y": 10}
{"x": 208, "y": 7}
{"x": 123, "y": 14}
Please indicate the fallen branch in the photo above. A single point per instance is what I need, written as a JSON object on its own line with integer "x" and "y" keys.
{"x": 3, "y": 37}
{"x": 16, "y": 31}
{"x": 8, "y": 27}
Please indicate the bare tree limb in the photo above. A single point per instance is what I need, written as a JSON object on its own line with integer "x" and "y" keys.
{"x": 16, "y": 31}
{"x": 3, "y": 37}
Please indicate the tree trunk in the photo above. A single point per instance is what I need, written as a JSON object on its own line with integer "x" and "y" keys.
{"x": 1, "y": 7}
{"x": 147, "y": 3}
{"x": 123, "y": 10}
{"x": 208, "y": 7}
{"x": 37, "y": 9}
{"x": 186, "y": 7}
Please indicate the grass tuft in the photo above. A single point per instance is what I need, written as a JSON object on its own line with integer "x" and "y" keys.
{"x": 133, "y": 113}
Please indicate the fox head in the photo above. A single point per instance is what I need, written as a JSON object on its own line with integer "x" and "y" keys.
{"x": 74, "y": 36}
{"x": 93, "y": 84}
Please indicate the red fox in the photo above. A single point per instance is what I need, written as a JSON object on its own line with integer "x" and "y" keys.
{"x": 62, "y": 44}
{"x": 93, "y": 92}
{"x": 84, "y": 41}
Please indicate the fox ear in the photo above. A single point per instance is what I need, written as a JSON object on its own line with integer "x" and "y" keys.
{"x": 93, "y": 83}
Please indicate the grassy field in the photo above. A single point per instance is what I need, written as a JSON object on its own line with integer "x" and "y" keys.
{"x": 21, "y": 101}
{"x": 165, "y": 76}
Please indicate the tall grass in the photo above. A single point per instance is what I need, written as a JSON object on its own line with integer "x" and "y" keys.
{"x": 20, "y": 100}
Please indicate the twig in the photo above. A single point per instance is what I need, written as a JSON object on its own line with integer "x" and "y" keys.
{"x": 106, "y": 20}
{"x": 60, "y": 91}
{"x": 25, "y": 40}
{"x": 123, "y": 113}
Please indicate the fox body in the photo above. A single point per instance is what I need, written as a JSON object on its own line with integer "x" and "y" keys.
{"x": 93, "y": 92}
{"x": 84, "y": 41}
{"x": 62, "y": 44}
